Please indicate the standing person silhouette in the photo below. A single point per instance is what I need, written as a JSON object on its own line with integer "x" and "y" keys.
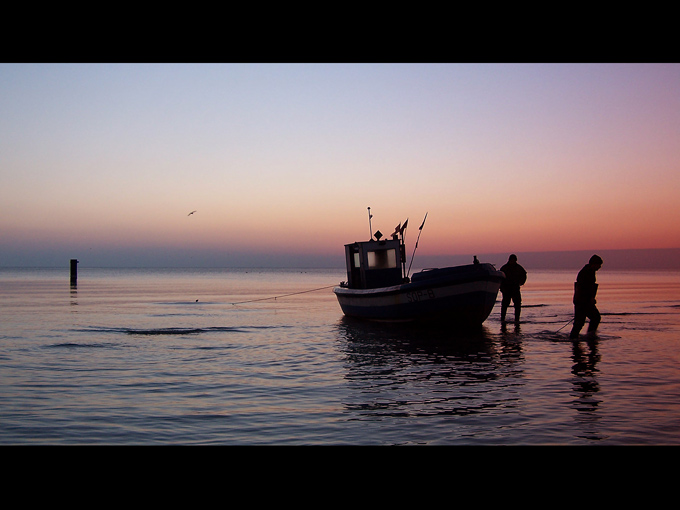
{"x": 515, "y": 277}
{"x": 585, "y": 290}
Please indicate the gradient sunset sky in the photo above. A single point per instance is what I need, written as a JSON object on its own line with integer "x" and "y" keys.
{"x": 104, "y": 162}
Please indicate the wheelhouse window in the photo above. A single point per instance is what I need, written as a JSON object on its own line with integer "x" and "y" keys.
{"x": 382, "y": 259}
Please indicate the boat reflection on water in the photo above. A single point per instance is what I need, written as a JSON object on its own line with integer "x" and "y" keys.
{"x": 416, "y": 338}
{"x": 417, "y": 371}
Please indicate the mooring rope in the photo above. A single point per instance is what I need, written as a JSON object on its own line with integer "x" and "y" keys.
{"x": 285, "y": 295}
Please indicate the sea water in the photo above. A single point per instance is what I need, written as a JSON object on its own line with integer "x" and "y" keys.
{"x": 265, "y": 357}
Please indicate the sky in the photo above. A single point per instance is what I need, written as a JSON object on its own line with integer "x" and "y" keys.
{"x": 104, "y": 162}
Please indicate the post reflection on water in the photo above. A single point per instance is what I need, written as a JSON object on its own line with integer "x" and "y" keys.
{"x": 403, "y": 369}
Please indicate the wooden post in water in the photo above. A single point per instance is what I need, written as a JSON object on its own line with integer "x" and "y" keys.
{"x": 74, "y": 272}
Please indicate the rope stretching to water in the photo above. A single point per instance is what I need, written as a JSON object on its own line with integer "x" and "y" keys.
{"x": 284, "y": 295}
{"x": 570, "y": 320}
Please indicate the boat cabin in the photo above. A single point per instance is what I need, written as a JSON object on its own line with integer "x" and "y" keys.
{"x": 373, "y": 264}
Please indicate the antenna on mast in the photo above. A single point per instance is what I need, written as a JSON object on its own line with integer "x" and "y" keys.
{"x": 369, "y": 223}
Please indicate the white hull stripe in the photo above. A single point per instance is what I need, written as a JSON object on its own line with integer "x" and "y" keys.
{"x": 399, "y": 296}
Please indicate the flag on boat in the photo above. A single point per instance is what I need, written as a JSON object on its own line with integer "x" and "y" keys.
{"x": 423, "y": 224}
{"x": 399, "y": 229}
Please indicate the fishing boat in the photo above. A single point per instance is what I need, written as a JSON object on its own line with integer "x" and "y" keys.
{"x": 378, "y": 286}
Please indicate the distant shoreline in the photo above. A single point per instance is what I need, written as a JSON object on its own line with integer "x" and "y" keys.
{"x": 661, "y": 259}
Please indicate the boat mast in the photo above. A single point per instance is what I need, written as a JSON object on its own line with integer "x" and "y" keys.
{"x": 402, "y": 251}
{"x": 369, "y": 223}
{"x": 399, "y": 231}
{"x": 420, "y": 229}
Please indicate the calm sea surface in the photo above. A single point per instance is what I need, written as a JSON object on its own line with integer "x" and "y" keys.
{"x": 203, "y": 357}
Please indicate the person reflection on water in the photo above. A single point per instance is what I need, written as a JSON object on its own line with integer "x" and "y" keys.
{"x": 515, "y": 277}
{"x": 585, "y": 290}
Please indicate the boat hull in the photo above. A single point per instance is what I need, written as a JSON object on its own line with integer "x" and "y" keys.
{"x": 463, "y": 295}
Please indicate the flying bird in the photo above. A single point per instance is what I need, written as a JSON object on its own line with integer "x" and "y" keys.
{"x": 192, "y": 212}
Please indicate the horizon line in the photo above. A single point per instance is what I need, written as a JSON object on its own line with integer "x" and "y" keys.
{"x": 633, "y": 258}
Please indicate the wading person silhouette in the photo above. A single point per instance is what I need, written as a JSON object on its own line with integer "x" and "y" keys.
{"x": 585, "y": 290}
{"x": 515, "y": 277}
